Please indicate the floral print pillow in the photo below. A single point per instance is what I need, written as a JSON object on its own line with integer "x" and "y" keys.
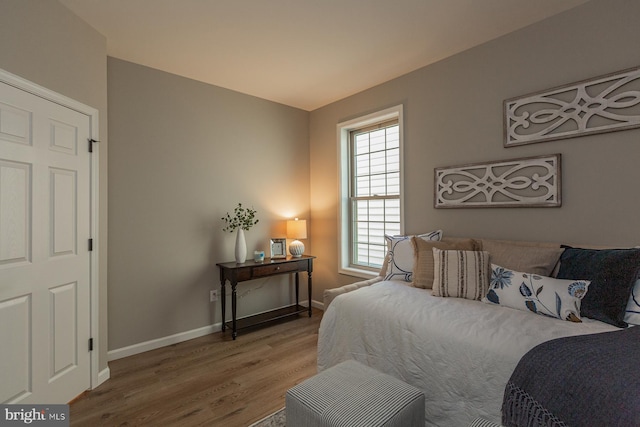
{"x": 632, "y": 315}
{"x": 539, "y": 294}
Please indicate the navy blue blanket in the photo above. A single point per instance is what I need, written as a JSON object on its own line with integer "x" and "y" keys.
{"x": 588, "y": 380}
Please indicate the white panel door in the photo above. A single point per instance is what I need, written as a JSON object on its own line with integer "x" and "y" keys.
{"x": 45, "y": 212}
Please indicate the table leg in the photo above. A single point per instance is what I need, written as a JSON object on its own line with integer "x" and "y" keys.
{"x": 309, "y": 291}
{"x": 233, "y": 309}
{"x": 223, "y": 304}
{"x": 297, "y": 289}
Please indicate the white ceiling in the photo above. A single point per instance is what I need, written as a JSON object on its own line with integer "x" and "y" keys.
{"x": 302, "y": 53}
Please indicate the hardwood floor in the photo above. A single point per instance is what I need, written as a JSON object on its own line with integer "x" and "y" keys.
{"x": 208, "y": 381}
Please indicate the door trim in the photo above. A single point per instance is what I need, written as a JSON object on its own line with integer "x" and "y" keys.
{"x": 94, "y": 256}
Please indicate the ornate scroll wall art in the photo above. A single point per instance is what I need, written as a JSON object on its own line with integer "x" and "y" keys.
{"x": 602, "y": 104}
{"x": 532, "y": 181}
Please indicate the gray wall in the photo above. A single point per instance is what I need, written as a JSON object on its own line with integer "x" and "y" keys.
{"x": 42, "y": 41}
{"x": 182, "y": 154}
{"x": 453, "y": 116}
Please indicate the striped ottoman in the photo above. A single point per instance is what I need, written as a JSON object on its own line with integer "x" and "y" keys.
{"x": 353, "y": 395}
{"x": 481, "y": 422}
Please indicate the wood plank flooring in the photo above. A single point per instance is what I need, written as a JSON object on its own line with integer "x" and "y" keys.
{"x": 208, "y": 381}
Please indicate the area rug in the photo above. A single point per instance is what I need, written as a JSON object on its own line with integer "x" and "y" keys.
{"x": 277, "y": 419}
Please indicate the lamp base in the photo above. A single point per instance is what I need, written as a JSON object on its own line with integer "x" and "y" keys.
{"x": 296, "y": 248}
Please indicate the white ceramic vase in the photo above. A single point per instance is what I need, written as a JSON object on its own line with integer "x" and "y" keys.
{"x": 241, "y": 247}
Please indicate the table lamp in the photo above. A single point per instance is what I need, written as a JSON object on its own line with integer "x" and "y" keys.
{"x": 296, "y": 229}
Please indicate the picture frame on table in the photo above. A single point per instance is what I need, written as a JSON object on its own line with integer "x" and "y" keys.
{"x": 278, "y": 248}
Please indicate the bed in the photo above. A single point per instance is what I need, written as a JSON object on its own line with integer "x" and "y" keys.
{"x": 585, "y": 380}
{"x": 460, "y": 352}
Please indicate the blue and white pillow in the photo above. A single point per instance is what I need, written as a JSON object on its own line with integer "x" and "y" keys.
{"x": 539, "y": 294}
{"x": 400, "y": 255}
{"x": 632, "y": 315}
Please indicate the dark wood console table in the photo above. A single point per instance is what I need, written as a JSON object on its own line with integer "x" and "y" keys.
{"x": 250, "y": 270}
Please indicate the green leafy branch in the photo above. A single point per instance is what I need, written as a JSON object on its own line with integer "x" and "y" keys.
{"x": 244, "y": 218}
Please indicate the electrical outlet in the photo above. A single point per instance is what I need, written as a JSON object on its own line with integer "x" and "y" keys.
{"x": 213, "y": 296}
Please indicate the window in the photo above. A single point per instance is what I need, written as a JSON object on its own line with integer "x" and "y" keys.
{"x": 370, "y": 190}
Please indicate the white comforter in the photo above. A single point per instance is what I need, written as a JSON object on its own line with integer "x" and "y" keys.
{"x": 461, "y": 353}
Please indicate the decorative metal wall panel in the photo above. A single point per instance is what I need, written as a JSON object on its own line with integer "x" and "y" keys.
{"x": 532, "y": 181}
{"x": 602, "y": 104}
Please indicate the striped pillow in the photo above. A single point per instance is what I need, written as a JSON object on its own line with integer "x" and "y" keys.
{"x": 460, "y": 274}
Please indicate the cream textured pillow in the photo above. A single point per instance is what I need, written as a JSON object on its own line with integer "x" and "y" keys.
{"x": 460, "y": 274}
{"x": 534, "y": 259}
{"x": 423, "y": 258}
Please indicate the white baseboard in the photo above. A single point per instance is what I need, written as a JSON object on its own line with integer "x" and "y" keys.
{"x": 162, "y": 342}
{"x": 103, "y": 375}
{"x": 176, "y": 338}
{"x": 317, "y": 304}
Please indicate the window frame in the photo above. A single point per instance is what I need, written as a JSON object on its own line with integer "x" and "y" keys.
{"x": 344, "y": 130}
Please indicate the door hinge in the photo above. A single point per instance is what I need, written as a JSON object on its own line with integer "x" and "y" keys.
{"x": 90, "y": 344}
{"x": 90, "y": 245}
{"x": 91, "y": 141}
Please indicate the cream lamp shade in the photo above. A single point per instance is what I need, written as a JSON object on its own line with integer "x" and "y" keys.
{"x": 296, "y": 229}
